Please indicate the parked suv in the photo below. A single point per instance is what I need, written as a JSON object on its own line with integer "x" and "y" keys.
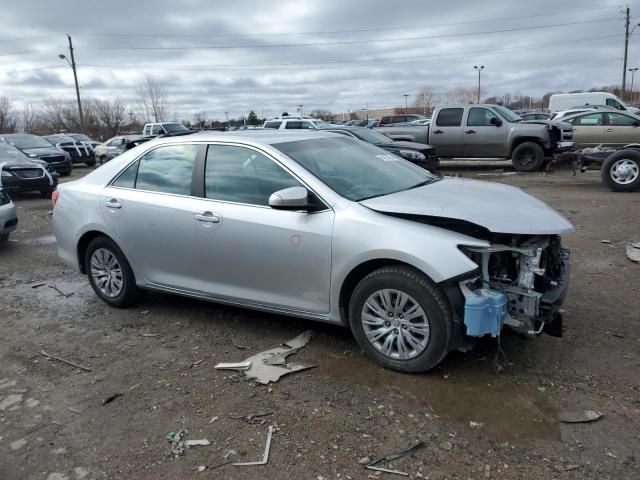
{"x": 295, "y": 123}
{"x": 36, "y": 147}
{"x": 155, "y": 129}
{"x": 389, "y": 120}
{"x": 80, "y": 152}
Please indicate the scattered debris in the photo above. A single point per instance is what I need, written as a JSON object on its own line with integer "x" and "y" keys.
{"x": 233, "y": 366}
{"x": 73, "y": 410}
{"x": 135, "y": 386}
{"x": 238, "y": 346}
{"x": 230, "y": 453}
{"x": 270, "y": 365}
{"x": 542, "y": 388}
{"x": 395, "y": 456}
{"x": 176, "y": 441}
{"x": 213, "y": 419}
{"x": 265, "y": 456}
{"x": 144, "y": 312}
{"x": 111, "y": 398}
{"x": 580, "y": 416}
{"x": 255, "y": 418}
{"x": 202, "y": 468}
{"x": 364, "y": 461}
{"x": 53, "y": 357}
{"x": 633, "y": 252}
{"x": 618, "y": 335}
{"x": 566, "y": 468}
{"x": 221, "y": 465}
{"x": 195, "y": 364}
{"x": 605, "y": 241}
{"x": 446, "y": 446}
{"x": 149, "y": 334}
{"x": 38, "y": 285}
{"x": 197, "y": 443}
{"x": 65, "y": 295}
{"x": 487, "y": 471}
{"x": 473, "y": 424}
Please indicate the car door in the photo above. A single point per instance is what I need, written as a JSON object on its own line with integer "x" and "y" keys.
{"x": 250, "y": 253}
{"x": 150, "y": 209}
{"x": 621, "y": 129}
{"x": 588, "y": 130}
{"x": 481, "y": 138}
{"x": 446, "y": 133}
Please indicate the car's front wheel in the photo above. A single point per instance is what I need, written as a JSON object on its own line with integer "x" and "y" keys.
{"x": 401, "y": 319}
{"x": 110, "y": 274}
{"x": 528, "y": 157}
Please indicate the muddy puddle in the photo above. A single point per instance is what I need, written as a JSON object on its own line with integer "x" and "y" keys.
{"x": 492, "y": 405}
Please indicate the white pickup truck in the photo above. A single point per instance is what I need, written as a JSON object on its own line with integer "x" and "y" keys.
{"x": 489, "y": 131}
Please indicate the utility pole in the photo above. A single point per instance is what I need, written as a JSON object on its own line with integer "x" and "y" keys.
{"x": 406, "y": 96}
{"x": 479, "y": 68}
{"x": 72, "y": 64}
{"x": 633, "y": 72}
{"x": 626, "y": 50}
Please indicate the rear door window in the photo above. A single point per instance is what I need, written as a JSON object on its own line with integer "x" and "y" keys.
{"x": 591, "y": 120}
{"x": 274, "y": 125}
{"x": 620, "y": 120}
{"x": 293, "y": 125}
{"x": 166, "y": 169}
{"x": 450, "y": 117}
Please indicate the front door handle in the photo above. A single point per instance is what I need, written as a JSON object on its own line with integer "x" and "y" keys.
{"x": 609, "y": 130}
{"x": 470, "y": 131}
{"x": 438, "y": 132}
{"x": 207, "y": 217}
{"x": 113, "y": 203}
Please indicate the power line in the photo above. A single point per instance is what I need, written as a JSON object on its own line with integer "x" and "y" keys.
{"x": 330, "y": 64}
{"x": 329, "y": 32}
{"x": 26, "y": 39}
{"x": 346, "y": 42}
{"x": 38, "y": 68}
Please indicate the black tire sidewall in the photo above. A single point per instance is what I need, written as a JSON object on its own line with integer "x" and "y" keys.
{"x": 430, "y": 298}
{"x": 605, "y": 172}
{"x": 536, "y": 165}
{"x": 130, "y": 291}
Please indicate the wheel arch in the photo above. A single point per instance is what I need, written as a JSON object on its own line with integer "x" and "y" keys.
{"x": 83, "y": 243}
{"x": 520, "y": 140}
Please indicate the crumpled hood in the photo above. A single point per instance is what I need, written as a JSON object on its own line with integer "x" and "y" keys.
{"x": 497, "y": 207}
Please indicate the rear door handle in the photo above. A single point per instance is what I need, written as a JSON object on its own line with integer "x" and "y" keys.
{"x": 438, "y": 132}
{"x": 207, "y": 217}
{"x": 113, "y": 203}
{"x": 470, "y": 131}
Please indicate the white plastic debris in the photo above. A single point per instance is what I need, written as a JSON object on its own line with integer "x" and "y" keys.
{"x": 633, "y": 252}
{"x": 197, "y": 443}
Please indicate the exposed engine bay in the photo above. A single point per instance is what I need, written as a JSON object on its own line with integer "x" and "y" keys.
{"x": 521, "y": 285}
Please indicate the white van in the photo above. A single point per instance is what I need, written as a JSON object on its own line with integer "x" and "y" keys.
{"x": 566, "y": 101}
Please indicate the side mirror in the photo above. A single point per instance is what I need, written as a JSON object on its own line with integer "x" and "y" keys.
{"x": 496, "y": 122}
{"x": 293, "y": 198}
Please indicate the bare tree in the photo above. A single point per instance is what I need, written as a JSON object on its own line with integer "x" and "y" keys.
{"x": 152, "y": 97}
{"x": 30, "y": 118}
{"x": 7, "y": 119}
{"x": 425, "y": 99}
{"x": 110, "y": 115}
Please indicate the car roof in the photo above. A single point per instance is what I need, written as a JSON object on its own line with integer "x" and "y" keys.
{"x": 253, "y": 137}
{"x": 341, "y": 127}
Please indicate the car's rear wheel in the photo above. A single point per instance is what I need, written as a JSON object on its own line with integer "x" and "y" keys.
{"x": 528, "y": 157}
{"x": 401, "y": 319}
{"x": 621, "y": 171}
{"x": 110, "y": 274}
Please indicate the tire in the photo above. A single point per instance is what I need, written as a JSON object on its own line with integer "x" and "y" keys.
{"x": 431, "y": 342}
{"x": 528, "y": 157}
{"x": 103, "y": 159}
{"x": 105, "y": 249}
{"x": 90, "y": 163}
{"x": 621, "y": 171}
{"x": 4, "y": 237}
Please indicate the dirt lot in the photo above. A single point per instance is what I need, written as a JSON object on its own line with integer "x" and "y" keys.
{"x": 160, "y": 355}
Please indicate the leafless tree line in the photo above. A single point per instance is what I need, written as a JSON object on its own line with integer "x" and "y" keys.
{"x": 103, "y": 118}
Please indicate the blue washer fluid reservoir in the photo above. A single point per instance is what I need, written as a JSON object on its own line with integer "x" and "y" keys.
{"x": 484, "y": 311}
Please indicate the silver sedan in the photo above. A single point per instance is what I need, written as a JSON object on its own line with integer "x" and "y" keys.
{"x": 319, "y": 226}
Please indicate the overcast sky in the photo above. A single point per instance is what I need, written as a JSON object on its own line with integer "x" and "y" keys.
{"x": 234, "y": 56}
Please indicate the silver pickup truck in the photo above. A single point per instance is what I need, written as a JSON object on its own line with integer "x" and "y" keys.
{"x": 489, "y": 131}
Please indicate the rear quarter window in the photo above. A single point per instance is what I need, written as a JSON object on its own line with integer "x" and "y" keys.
{"x": 274, "y": 125}
{"x": 450, "y": 117}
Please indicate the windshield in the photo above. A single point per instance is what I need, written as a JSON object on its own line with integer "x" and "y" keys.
{"x": 80, "y": 137}
{"x": 9, "y": 152}
{"x": 57, "y": 140}
{"x": 370, "y": 136}
{"x": 27, "y": 141}
{"x": 507, "y": 114}
{"x": 355, "y": 170}
{"x": 174, "y": 127}
{"x": 320, "y": 123}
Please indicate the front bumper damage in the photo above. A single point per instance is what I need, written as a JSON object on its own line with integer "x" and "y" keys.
{"x": 520, "y": 287}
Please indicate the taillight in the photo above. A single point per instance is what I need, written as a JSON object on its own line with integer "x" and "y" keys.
{"x": 54, "y": 198}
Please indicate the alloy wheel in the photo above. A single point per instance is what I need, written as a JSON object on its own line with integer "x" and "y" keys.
{"x": 106, "y": 272}
{"x": 395, "y": 324}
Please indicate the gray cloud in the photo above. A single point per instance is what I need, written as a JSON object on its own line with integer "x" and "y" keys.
{"x": 531, "y": 58}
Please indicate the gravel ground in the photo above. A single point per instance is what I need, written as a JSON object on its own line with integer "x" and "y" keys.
{"x": 160, "y": 355}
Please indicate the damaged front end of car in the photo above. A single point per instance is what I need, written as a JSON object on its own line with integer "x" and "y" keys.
{"x": 521, "y": 284}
